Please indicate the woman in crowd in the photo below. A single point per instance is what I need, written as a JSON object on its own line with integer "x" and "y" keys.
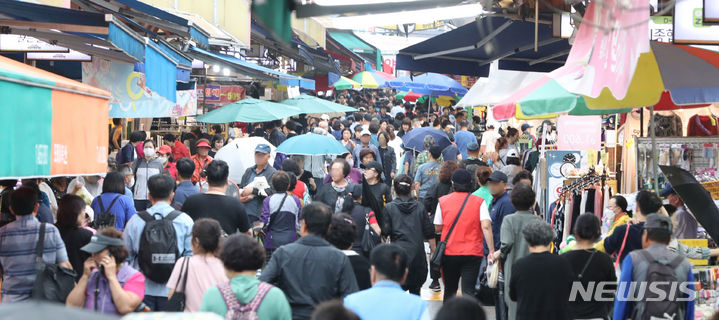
{"x": 143, "y": 168}
{"x": 396, "y": 143}
{"x": 589, "y": 266}
{"x": 113, "y": 201}
{"x": 334, "y": 193}
{"x": 406, "y": 126}
{"x": 618, "y": 205}
{"x": 242, "y": 257}
{"x": 165, "y": 154}
{"x": 441, "y": 189}
{"x": 483, "y": 192}
{"x": 388, "y": 156}
{"x": 300, "y": 188}
{"x": 195, "y": 274}
{"x": 355, "y": 175}
{"x": 361, "y": 215}
{"x": 501, "y": 148}
{"x": 375, "y": 194}
{"x": 511, "y": 166}
{"x": 108, "y": 284}
{"x": 406, "y": 223}
{"x": 463, "y": 253}
{"x": 218, "y": 141}
{"x": 281, "y": 213}
{"x": 70, "y": 218}
{"x": 341, "y": 234}
{"x": 367, "y": 155}
{"x": 347, "y": 139}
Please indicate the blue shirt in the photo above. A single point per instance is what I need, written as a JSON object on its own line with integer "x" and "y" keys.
{"x": 463, "y": 138}
{"x": 387, "y": 300}
{"x": 623, "y": 309}
{"x": 123, "y": 209}
{"x": 18, "y": 240}
{"x": 427, "y": 175}
{"x": 613, "y": 243}
{"x": 501, "y": 207}
{"x": 184, "y": 190}
{"x": 373, "y": 140}
{"x": 133, "y": 231}
{"x": 128, "y": 192}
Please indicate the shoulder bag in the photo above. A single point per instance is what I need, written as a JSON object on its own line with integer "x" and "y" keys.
{"x": 176, "y": 303}
{"x": 52, "y": 282}
{"x": 436, "y": 260}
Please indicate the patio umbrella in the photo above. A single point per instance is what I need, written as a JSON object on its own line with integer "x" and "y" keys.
{"x": 315, "y": 106}
{"x": 249, "y": 110}
{"x": 414, "y": 139}
{"x": 240, "y": 155}
{"x": 433, "y": 84}
{"x": 346, "y": 83}
{"x": 370, "y": 80}
{"x": 696, "y": 198}
{"x": 311, "y": 144}
{"x": 408, "y": 96}
{"x": 36, "y": 310}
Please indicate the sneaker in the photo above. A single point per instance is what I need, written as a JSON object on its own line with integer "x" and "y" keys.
{"x": 434, "y": 286}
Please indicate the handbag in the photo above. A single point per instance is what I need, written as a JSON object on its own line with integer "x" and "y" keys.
{"x": 435, "y": 261}
{"x": 493, "y": 277}
{"x": 52, "y": 282}
{"x": 176, "y": 303}
{"x": 370, "y": 239}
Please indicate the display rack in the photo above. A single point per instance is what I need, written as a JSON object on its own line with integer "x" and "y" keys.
{"x": 699, "y": 153}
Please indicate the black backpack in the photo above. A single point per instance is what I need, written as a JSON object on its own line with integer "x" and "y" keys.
{"x": 664, "y": 276}
{"x": 158, "y": 246}
{"x": 105, "y": 218}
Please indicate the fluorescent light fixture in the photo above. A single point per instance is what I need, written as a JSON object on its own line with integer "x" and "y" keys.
{"x": 216, "y": 68}
{"x": 226, "y": 71}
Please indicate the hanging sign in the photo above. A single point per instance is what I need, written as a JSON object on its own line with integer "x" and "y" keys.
{"x": 579, "y": 133}
{"x": 59, "y": 56}
{"x": 689, "y": 26}
{"x": 17, "y": 42}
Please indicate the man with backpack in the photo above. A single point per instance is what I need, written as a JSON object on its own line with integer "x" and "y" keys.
{"x": 665, "y": 276}
{"x": 156, "y": 238}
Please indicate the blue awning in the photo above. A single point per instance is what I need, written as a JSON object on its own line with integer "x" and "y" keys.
{"x": 469, "y": 49}
{"x": 255, "y": 70}
{"x": 160, "y": 72}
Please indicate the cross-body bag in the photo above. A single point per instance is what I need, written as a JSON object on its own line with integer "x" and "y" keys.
{"x": 273, "y": 216}
{"x": 581, "y": 274}
{"x": 436, "y": 260}
{"x": 176, "y": 303}
{"x": 52, "y": 282}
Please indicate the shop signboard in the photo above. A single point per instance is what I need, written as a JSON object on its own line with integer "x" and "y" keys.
{"x": 219, "y": 94}
{"x": 579, "y": 132}
{"x": 661, "y": 28}
{"x": 711, "y": 11}
{"x": 72, "y": 55}
{"x": 22, "y": 43}
{"x": 689, "y": 26}
{"x": 131, "y": 98}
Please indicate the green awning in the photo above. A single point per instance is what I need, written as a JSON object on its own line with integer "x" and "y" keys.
{"x": 348, "y": 40}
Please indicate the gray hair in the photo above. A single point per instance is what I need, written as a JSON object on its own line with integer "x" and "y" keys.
{"x": 428, "y": 142}
{"x": 538, "y": 233}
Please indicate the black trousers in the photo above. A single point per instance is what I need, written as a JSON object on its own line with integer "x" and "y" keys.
{"x": 454, "y": 267}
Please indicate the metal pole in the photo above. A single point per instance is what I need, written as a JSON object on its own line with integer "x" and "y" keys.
{"x": 655, "y": 152}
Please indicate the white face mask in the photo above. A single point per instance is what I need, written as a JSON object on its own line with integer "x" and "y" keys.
{"x": 132, "y": 182}
{"x": 351, "y": 162}
{"x": 149, "y": 152}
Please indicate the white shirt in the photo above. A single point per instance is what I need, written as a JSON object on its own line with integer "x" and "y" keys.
{"x": 489, "y": 139}
{"x": 483, "y": 214}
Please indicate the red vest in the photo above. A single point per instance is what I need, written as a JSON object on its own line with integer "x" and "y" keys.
{"x": 466, "y": 238}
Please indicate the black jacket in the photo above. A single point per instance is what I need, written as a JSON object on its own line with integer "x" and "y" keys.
{"x": 389, "y": 161}
{"x": 407, "y": 224}
{"x": 431, "y": 200}
{"x": 309, "y": 272}
{"x": 328, "y": 195}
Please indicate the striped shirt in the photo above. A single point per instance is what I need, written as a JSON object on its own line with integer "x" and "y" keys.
{"x": 18, "y": 241}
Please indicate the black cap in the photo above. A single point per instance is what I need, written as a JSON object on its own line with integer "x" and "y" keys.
{"x": 372, "y": 165}
{"x": 498, "y": 176}
{"x": 355, "y": 190}
{"x": 462, "y": 176}
{"x": 99, "y": 242}
{"x": 658, "y": 221}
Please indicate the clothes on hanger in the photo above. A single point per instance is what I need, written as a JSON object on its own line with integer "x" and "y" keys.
{"x": 668, "y": 126}
{"x": 703, "y": 126}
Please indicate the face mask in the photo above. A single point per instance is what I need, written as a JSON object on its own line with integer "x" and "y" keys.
{"x": 351, "y": 162}
{"x": 149, "y": 152}
{"x": 132, "y": 182}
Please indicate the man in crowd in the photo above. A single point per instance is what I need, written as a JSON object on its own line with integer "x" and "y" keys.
{"x": 388, "y": 272}
{"x": 687, "y": 225}
{"x": 201, "y": 159}
{"x": 374, "y": 132}
{"x": 526, "y": 139}
{"x": 161, "y": 188}
{"x": 129, "y": 179}
{"x": 500, "y": 207}
{"x": 365, "y": 138}
{"x": 128, "y": 153}
{"x": 17, "y": 247}
{"x": 179, "y": 149}
{"x": 254, "y": 191}
{"x": 214, "y": 204}
{"x": 310, "y": 270}
{"x": 463, "y": 138}
{"x": 647, "y": 202}
{"x": 428, "y": 173}
{"x": 659, "y": 268}
{"x": 290, "y": 128}
{"x": 489, "y": 139}
{"x": 185, "y": 188}
{"x": 274, "y": 134}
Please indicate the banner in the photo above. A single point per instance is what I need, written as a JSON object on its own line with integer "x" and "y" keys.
{"x": 579, "y": 133}
{"x": 219, "y": 94}
{"x": 130, "y": 97}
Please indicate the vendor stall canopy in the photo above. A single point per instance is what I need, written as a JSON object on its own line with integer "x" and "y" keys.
{"x": 37, "y": 107}
{"x": 469, "y": 49}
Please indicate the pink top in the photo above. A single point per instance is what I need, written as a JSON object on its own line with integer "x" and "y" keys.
{"x": 136, "y": 284}
{"x": 204, "y": 273}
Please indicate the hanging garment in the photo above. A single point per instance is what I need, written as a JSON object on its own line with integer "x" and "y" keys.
{"x": 702, "y": 126}
{"x": 589, "y": 202}
{"x": 599, "y": 203}
{"x": 582, "y": 205}
{"x": 668, "y": 126}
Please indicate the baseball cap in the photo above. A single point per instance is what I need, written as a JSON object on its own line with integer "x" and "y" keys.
{"x": 355, "y": 190}
{"x": 203, "y": 143}
{"x": 657, "y": 221}
{"x": 365, "y": 132}
{"x": 262, "y": 148}
{"x": 498, "y": 176}
{"x": 324, "y": 116}
{"x": 473, "y": 146}
{"x": 462, "y": 176}
{"x": 526, "y": 126}
{"x": 164, "y": 149}
{"x": 667, "y": 191}
{"x": 512, "y": 153}
{"x": 99, "y": 242}
{"x": 372, "y": 165}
